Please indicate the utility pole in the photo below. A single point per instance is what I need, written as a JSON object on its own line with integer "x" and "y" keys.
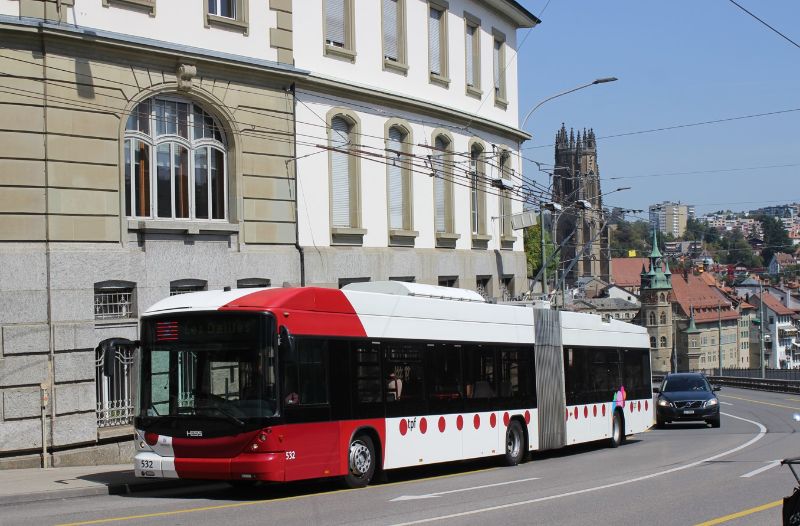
{"x": 544, "y": 254}
{"x": 761, "y": 326}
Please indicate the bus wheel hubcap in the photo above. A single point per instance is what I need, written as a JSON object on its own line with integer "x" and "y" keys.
{"x": 512, "y": 443}
{"x": 360, "y": 459}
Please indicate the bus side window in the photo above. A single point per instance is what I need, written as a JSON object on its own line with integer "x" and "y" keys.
{"x": 479, "y": 372}
{"x": 305, "y": 373}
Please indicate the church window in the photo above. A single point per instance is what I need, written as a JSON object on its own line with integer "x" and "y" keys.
{"x": 652, "y": 318}
{"x": 662, "y": 297}
{"x": 653, "y": 342}
{"x": 663, "y": 318}
{"x": 663, "y": 341}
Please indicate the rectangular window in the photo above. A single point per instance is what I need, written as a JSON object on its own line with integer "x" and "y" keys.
{"x": 472, "y": 50}
{"x": 499, "y": 55}
{"x": 394, "y": 35}
{"x": 228, "y": 14}
{"x": 115, "y": 392}
{"x": 448, "y": 281}
{"x": 339, "y": 33}
{"x": 437, "y": 42}
{"x": 305, "y": 380}
{"x": 113, "y": 301}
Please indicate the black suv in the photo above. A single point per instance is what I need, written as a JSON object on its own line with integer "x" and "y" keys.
{"x": 686, "y": 396}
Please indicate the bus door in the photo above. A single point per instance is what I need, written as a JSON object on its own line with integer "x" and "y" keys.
{"x": 310, "y": 437}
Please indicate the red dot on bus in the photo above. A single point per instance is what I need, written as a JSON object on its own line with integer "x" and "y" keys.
{"x": 567, "y": 415}
{"x": 631, "y": 406}
{"x": 506, "y": 419}
{"x": 527, "y": 417}
{"x": 586, "y": 411}
{"x": 594, "y": 410}
{"x": 423, "y": 425}
{"x": 603, "y": 407}
{"x": 476, "y": 421}
{"x": 645, "y": 405}
{"x": 403, "y": 426}
{"x": 575, "y": 413}
{"x": 442, "y": 424}
{"x": 638, "y": 406}
{"x": 460, "y": 422}
{"x": 493, "y": 420}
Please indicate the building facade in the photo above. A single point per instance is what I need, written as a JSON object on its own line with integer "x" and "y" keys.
{"x": 656, "y": 311}
{"x": 576, "y": 178}
{"x": 152, "y": 148}
{"x": 670, "y": 218}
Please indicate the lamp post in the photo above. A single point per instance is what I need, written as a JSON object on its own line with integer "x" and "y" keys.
{"x": 602, "y": 80}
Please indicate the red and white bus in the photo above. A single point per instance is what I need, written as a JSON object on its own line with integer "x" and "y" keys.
{"x": 284, "y": 384}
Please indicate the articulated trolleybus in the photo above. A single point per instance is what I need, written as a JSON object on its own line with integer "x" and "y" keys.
{"x": 285, "y": 384}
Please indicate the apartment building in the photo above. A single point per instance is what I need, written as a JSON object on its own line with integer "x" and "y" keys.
{"x": 670, "y": 218}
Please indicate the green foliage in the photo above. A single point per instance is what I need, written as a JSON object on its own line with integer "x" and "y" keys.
{"x": 533, "y": 251}
{"x": 733, "y": 248}
{"x": 776, "y": 239}
{"x": 631, "y": 236}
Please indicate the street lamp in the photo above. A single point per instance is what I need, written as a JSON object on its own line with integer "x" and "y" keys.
{"x": 602, "y": 80}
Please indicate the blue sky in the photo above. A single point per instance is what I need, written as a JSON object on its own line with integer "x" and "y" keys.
{"x": 678, "y": 62}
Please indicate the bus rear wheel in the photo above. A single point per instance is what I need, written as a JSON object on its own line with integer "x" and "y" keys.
{"x": 515, "y": 440}
{"x": 360, "y": 461}
{"x": 617, "y": 431}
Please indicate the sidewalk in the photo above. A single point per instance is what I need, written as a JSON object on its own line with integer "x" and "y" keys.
{"x": 31, "y": 485}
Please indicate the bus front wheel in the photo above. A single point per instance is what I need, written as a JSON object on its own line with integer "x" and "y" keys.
{"x": 515, "y": 440}
{"x": 617, "y": 431}
{"x": 361, "y": 462}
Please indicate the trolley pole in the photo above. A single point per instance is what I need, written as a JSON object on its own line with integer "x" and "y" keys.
{"x": 719, "y": 336}
{"x": 761, "y": 326}
{"x": 544, "y": 253}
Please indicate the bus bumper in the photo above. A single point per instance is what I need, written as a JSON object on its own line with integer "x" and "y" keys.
{"x": 247, "y": 466}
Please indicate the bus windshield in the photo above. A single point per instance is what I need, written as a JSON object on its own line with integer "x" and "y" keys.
{"x": 207, "y": 367}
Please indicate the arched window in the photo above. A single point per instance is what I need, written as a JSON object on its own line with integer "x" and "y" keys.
{"x": 398, "y": 178}
{"x": 662, "y": 297}
{"x": 442, "y": 164}
{"x": 663, "y": 341}
{"x": 652, "y": 318}
{"x": 477, "y": 175}
{"x": 175, "y": 162}
{"x": 653, "y": 342}
{"x": 663, "y": 318}
{"x": 344, "y": 179}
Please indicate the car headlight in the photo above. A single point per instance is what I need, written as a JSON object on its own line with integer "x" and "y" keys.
{"x": 663, "y": 402}
{"x": 711, "y": 403}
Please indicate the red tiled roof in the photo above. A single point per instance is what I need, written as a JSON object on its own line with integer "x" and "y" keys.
{"x": 627, "y": 272}
{"x": 744, "y": 305}
{"x": 775, "y": 305}
{"x": 708, "y": 279}
{"x": 693, "y": 291}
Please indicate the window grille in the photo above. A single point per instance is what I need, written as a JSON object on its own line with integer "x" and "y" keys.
{"x": 115, "y": 405}
{"x": 507, "y": 289}
{"x": 113, "y": 303}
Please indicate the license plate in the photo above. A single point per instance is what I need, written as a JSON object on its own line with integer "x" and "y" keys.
{"x": 688, "y": 411}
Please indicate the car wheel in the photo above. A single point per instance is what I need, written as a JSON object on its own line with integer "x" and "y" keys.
{"x": 515, "y": 440}
{"x": 660, "y": 423}
{"x": 617, "y": 432}
{"x": 714, "y": 422}
{"x": 361, "y": 462}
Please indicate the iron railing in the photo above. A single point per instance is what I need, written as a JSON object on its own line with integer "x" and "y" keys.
{"x": 115, "y": 404}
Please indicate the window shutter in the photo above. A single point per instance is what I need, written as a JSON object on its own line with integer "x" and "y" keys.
{"x": 397, "y": 203}
{"x": 470, "y": 48}
{"x": 497, "y": 45}
{"x": 439, "y": 184}
{"x": 340, "y": 173}
{"x": 434, "y": 41}
{"x": 390, "y": 25}
{"x": 334, "y": 23}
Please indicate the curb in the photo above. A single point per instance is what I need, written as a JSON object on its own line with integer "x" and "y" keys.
{"x": 125, "y": 488}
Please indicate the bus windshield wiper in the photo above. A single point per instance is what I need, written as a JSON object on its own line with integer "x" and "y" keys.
{"x": 228, "y": 416}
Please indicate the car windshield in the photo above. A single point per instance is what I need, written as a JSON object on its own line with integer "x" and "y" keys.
{"x": 206, "y": 367}
{"x": 685, "y": 383}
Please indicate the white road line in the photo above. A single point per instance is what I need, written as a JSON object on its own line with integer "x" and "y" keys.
{"x": 762, "y": 469}
{"x": 761, "y": 432}
{"x": 725, "y": 403}
{"x": 440, "y": 493}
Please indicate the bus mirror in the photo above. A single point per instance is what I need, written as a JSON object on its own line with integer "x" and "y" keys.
{"x": 109, "y": 349}
{"x": 286, "y": 340}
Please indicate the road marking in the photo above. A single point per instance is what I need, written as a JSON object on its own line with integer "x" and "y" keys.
{"x": 725, "y": 403}
{"x": 795, "y": 408}
{"x": 770, "y": 465}
{"x": 440, "y": 493}
{"x": 267, "y": 501}
{"x": 740, "y": 514}
{"x": 761, "y": 432}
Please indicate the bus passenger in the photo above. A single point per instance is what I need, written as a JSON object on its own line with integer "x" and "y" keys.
{"x": 394, "y": 387}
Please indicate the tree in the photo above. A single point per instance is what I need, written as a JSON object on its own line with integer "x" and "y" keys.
{"x": 533, "y": 251}
{"x": 776, "y": 239}
{"x": 630, "y": 236}
{"x": 734, "y": 249}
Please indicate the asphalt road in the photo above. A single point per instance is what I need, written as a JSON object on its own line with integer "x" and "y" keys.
{"x": 685, "y": 474}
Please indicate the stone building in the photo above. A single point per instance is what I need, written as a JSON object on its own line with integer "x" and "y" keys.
{"x": 156, "y": 147}
{"x": 576, "y": 177}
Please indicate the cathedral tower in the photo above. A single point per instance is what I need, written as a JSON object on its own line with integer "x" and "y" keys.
{"x": 656, "y": 313}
